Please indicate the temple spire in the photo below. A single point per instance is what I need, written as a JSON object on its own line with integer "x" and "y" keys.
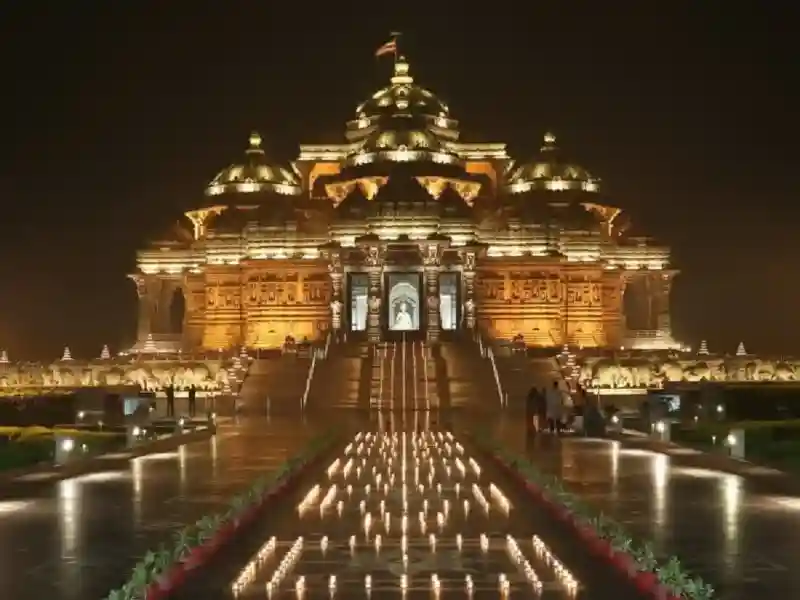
{"x": 703, "y": 348}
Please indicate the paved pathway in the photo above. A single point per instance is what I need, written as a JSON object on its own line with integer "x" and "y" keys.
{"x": 391, "y": 514}
{"x": 734, "y": 531}
{"x": 78, "y": 538}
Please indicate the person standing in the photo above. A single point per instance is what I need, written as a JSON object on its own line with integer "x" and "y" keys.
{"x": 555, "y": 407}
{"x": 532, "y": 410}
{"x": 170, "y": 392}
{"x": 192, "y": 400}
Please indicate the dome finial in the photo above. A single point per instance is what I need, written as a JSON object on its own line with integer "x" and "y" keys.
{"x": 401, "y": 75}
{"x": 255, "y": 140}
{"x": 549, "y": 138}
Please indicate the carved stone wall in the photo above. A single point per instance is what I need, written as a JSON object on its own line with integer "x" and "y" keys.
{"x": 613, "y": 289}
{"x": 546, "y": 304}
{"x": 285, "y": 298}
{"x": 194, "y": 294}
{"x": 223, "y": 326}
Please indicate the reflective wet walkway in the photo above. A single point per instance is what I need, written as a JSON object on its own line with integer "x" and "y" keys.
{"x": 731, "y": 530}
{"x": 406, "y": 514}
{"x": 79, "y": 538}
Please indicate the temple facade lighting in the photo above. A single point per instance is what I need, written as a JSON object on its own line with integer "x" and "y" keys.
{"x": 404, "y": 226}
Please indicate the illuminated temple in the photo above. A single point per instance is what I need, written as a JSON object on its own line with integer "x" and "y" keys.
{"x": 404, "y": 226}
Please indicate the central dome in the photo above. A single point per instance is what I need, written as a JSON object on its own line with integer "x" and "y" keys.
{"x": 402, "y": 100}
{"x": 402, "y": 123}
{"x": 402, "y": 96}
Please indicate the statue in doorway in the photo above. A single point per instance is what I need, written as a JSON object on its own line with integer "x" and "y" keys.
{"x": 403, "y": 322}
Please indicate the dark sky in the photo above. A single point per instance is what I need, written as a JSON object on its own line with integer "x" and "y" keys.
{"x": 114, "y": 120}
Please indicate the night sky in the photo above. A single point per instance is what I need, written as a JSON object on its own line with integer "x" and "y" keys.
{"x": 114, "y": 121}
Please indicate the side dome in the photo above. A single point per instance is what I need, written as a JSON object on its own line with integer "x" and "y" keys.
{"x": 254, "y": 174}
{"x": 550, "y": 170}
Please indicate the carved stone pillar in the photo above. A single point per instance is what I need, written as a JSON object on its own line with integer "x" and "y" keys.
{"x": 432, "y": 302}
{"x": 143, "y": 292}
{"x": 374, "y": 264}
{"x": 432, "y": 260}
{"x": 661, "y": 286}
{"x": 612, "y": 293}
{"x": 337, "y": 302}
{"x": 468, "y": 273}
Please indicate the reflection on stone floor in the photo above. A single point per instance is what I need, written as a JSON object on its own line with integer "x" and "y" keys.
{"x": 721, "y": 526}
{"x": 78, "y": 538}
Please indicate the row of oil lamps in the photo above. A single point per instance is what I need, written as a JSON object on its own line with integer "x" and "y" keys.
{"x": 424, "y": 448}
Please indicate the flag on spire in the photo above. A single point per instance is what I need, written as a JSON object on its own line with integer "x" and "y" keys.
{"x": 389, "y": 47}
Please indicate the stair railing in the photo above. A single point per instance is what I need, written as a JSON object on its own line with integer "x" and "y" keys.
{"x": 309, "y": 378}
{"x": 327, "y": 345}
{"x": 500, "y": 395}
{"x": 377, "y": 355}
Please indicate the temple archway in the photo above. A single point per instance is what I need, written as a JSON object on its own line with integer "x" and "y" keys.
{"x": 177, "y": 310}
{"x": 635, "y": 304}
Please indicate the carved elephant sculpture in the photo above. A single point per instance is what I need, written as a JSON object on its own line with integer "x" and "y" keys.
{"x": 698, "y": 371}
{"x": 784, "y": 372}
{"x": 670, "y": 371}
{"x": 765, "y": 371}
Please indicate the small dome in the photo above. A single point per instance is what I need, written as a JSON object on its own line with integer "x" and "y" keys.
{"x": 254, "y": 174}
{"x": 549, "y": 170}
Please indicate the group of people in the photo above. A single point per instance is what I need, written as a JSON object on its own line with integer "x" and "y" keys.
{"x": 551, "y": 409}
{"x": 556, "y": 410}
{"x": 170, "y": 393}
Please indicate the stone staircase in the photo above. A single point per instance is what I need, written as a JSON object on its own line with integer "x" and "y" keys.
{"x": 338, "y": 381}
{"x": 382, "y": 376}
{"x": 275, "y": 385}
{"x": 520, "y": 371}
{"x": 404, "y": 377}
{"x": 468, "y": 376}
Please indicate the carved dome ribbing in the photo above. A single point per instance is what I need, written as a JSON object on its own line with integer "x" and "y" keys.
{"x": 402, "y": 96}
{"x": 254, "y": 174}
{"x": 402, "y": 100}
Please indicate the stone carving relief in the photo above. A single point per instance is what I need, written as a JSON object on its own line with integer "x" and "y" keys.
{"x": 431, "y": 255}
{"x": 648, "y": 372}
{"x": 149, "y": 375}
{"x": 469, "y": 261}
{"x": 490, "y": 286}
{"x": 141, "y": 284}
{"x": 375, "y": 256}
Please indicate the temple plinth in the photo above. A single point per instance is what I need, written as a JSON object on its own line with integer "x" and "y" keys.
{"x": 404, "y": 227}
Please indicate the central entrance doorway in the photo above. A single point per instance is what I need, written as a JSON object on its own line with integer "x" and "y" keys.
{"x": 403, "y": 302}
{"x": 404, "y": 312}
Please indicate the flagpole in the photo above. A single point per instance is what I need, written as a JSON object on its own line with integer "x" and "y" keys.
{"x": 396, "y": 35}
